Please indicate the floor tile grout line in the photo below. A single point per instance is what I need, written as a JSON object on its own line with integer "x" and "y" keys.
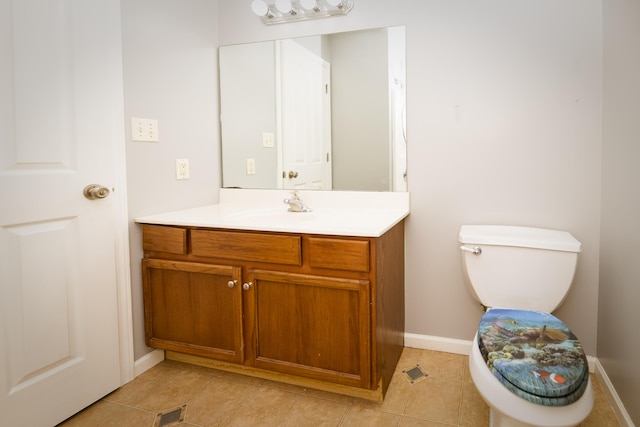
{"x": 125, "y": 405}
{"x": 460, "y": 401}
{"x": 298, "y": 398}
{"x": 344, "y": 416}
{"x": 444, "y": 423}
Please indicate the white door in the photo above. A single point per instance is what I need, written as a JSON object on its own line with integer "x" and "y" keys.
{"x": 60, "y": 129}
{"x": 304, "y": 120}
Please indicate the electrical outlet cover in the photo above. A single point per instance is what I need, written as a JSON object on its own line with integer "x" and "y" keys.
{"x": 182, "y": 169}
{"x": 251, "y": 166}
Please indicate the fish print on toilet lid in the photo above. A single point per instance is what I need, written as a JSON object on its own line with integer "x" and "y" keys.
{"x": 534, "y": 354}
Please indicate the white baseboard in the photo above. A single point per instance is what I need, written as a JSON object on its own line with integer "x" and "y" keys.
{"x": 428, "y": 342}
{"x": 148, "y": 361}
{"x": 449, "y": 345}
{"x": 612, "y": 395}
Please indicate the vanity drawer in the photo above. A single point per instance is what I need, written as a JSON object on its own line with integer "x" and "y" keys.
{"x": 277, "y": 249}
{"x": 160, "y": 238}
{"x": 339, "y": 254}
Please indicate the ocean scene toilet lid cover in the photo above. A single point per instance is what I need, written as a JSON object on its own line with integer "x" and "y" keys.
{"x": 534, "y": 354}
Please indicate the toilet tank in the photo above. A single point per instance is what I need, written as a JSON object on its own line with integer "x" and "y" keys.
{"x": 518, "y": 267}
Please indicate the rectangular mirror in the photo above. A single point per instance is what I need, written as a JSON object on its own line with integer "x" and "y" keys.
{"x": 322, "y": 112}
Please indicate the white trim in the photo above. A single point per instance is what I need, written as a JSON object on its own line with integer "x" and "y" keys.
{"x": 450, "y": 345}
{"x": 122, "y": 260}
{"x": 121, "y": 222}
{"x": 618, "y": 408}
{"x": 123, "y": 290}
{"x": 428, "y": 342}
{"x": 148, "y": 361}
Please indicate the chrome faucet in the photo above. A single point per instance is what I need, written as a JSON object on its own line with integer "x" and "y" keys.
{"x": 295, "y": 204}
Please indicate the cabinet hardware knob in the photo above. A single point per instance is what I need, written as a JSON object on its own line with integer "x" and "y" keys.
{"x": 247, "y": 285}
{"x": 232, "y": 283}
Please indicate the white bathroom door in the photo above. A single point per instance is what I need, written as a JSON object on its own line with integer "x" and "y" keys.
{"x": 304, "y": 117}
{"x": 61, "y": 127}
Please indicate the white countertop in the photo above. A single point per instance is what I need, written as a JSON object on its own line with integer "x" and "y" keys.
{"x": 344, "y": 213}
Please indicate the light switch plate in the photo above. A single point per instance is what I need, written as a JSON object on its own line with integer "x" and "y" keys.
{"x": 267, "y": 139}
{"x": 144, "y": 129}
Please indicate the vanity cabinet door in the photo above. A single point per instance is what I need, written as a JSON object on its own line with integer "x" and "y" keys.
{"x": 193, "y": 308}
{"x": 312, "y": 326}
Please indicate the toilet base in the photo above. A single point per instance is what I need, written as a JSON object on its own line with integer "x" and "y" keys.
{"x": 496, "y": 419}
{"x": 509, "y": 410}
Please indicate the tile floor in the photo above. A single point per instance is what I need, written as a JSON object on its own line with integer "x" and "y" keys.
{"x": 447, "y": 397}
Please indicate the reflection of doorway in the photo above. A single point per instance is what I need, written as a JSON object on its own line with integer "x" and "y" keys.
{"x": 303, "y": 99}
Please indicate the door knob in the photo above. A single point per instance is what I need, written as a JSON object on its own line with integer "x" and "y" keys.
{"x": 293, "y": 174}
{"x": 95, "y": 191}
{"x": 247, "y": 285}
{"x": 232, "y": 283}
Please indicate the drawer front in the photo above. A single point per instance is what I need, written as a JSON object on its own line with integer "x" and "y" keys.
{"x": 277, "y": 249}
{"x": 338, "y": 254}
{"x": 159, "y": 238}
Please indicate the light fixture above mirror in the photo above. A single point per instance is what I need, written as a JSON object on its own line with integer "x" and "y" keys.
{"x": 280, "y": 11}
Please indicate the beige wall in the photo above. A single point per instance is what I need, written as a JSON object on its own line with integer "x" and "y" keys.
{"x": 170, "y": 74}
{"x": 503, "y": 127}
{"x": 618, "y": 314}
{"x": 503, "y": 123}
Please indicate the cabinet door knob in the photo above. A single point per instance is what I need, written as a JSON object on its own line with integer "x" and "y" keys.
{"x": 247, "y": 285}
{"x": 232, "y": 283}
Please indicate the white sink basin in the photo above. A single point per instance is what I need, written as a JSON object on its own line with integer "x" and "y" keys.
{"x": 274, "y": 216}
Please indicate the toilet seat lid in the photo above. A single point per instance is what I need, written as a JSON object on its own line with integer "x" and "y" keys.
{"x": 534, "y": 354}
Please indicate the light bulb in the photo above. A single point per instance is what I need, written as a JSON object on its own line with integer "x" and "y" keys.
{"x": 284, "y": 6}
{"x": 259, "y": 7}
{"x": 337, "y": 3}
{"x": 309, "y": 4}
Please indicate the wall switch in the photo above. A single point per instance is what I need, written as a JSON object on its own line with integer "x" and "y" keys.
{"x": 144, "y": 129}
{"x": 267, "y": 139}
{"x": 251, "y": 166}
{"x": 182, "y": 169}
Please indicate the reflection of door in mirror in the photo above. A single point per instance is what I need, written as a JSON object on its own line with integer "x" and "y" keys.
{"x": 304, "y": 115}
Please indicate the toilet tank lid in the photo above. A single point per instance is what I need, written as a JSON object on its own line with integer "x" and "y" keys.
{"x": 526, "y": 237}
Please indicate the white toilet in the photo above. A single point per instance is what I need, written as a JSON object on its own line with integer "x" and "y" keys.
{"x": 526, "y": 364}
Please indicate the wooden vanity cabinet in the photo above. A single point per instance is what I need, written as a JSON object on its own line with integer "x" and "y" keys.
{"x": 190, "y": 307}
{"x": 319, "y": 311}
{"x": 313, "y": 326}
